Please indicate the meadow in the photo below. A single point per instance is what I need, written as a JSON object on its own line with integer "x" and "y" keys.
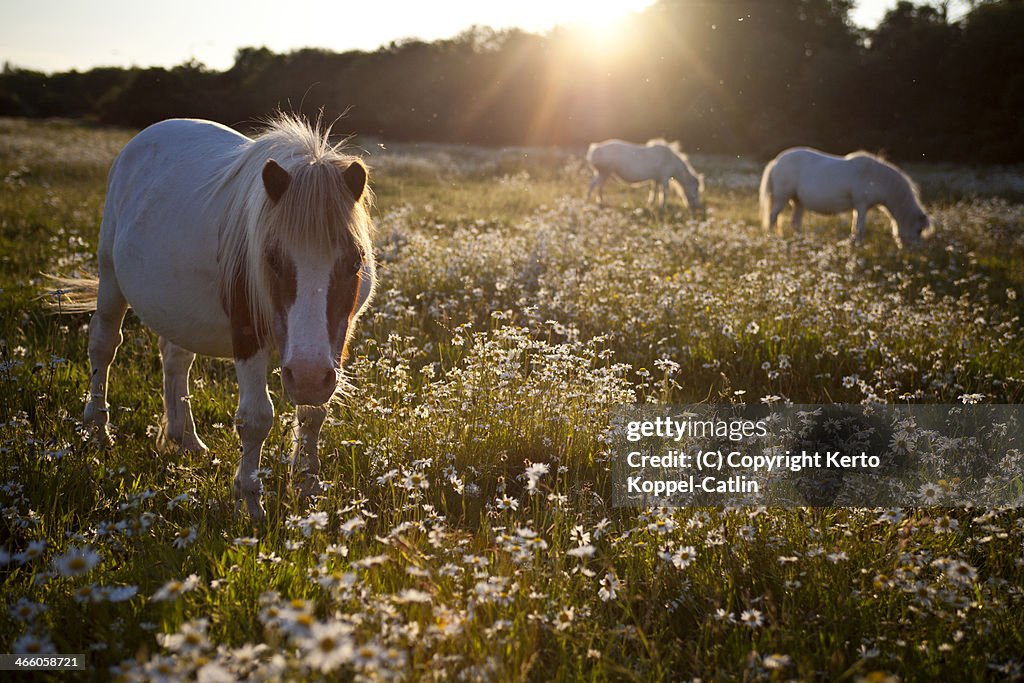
{"x": 467, "y": 530}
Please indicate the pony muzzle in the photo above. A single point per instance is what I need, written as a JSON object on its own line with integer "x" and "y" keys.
{"x": 309, "y": 382}
{"x": 916, "y": 242}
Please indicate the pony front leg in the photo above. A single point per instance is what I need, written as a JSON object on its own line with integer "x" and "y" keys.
{"x": 857, "y": 228}
{"x": 104, "y": 338}
{"x": 253, "y": 421}
{"x": 598, "y": 183}
{"x": 178, "y": 428}
{"x": 305, "y": 462}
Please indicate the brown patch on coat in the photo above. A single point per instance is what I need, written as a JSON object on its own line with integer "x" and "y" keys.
{"x": 342, "y": 298}
{"x": 246, "y": 340}
{"x": 282, "y": 279}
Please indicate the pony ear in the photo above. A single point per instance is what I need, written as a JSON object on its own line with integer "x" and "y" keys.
{"x": 355, "y": 179}
{"x": 275, "y": 179}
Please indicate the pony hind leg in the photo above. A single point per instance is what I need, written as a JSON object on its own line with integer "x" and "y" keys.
{"x": 178, "y": 428}
{"x": 305, "y": 461}
{"x": 798, "y": 215}
{"x": 104, "y": 339}
{"x": 253, "y": 420}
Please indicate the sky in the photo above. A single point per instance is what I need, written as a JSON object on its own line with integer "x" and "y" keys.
{"x": 60, "y": 35}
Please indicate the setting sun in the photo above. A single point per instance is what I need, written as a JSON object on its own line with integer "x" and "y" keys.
{"x": 604, "y": 31}
{"x": 605, "y": 19}
{"x": 540, "y": 15}
{"x": 600, "y": 33}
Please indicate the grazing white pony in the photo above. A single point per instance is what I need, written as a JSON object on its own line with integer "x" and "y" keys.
{"x": 658, "y": 160}
{"x": 228, "y": 246}
{"x": 830, "y": 184}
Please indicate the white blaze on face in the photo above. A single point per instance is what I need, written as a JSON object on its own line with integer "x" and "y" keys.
{"x": 308, "y": 361}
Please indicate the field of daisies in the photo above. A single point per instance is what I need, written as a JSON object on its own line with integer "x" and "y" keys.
{"x": 467, "y": 530}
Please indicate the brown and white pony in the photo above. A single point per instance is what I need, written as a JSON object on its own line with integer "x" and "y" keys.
{"x": 229, "y": 246}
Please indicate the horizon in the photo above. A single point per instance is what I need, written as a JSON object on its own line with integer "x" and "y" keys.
{"x": 212, "y": 34}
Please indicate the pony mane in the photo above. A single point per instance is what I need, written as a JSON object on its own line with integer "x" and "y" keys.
{"x": 674, "y": 145}
{"x": 317, "y": 210}
{"x": 864, "y": 154}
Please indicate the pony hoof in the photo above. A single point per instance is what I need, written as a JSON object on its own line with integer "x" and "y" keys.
{"x": 101, "y": 437}
{"x": 96, "y": 419}
{"x": 257, "y": 512}
{"x": 306, "y": 486}
{"x": 252, "y": 502}
{"x": 188, "y": 443}
{"x": 165, "y": 443}
{"x": 253, "y": 506}
{"x": 194, "y": 445}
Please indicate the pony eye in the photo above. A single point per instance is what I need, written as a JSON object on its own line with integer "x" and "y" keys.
{"x": 274, "y": 262}
{"x": 357, "y": 264}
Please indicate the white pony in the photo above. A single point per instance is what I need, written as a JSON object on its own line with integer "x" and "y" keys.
{"x": 228, "y": 246}
{"x": 830, "y": 184}
{"x": 658, "y": 160}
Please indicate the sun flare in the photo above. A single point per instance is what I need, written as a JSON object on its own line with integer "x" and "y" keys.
{"x": 603, "y": 19}
{"x": 597, "y": 25}
{"x": 604, "y": 30}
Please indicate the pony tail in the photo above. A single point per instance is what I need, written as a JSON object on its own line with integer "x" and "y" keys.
{"x": 71, "y": 294}
{"x": 765, "y": 195}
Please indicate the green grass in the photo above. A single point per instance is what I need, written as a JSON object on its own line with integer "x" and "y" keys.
{"x": 511, "y": 317}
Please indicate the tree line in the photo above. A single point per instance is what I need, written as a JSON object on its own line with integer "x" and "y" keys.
{"x": 726, "y": 76}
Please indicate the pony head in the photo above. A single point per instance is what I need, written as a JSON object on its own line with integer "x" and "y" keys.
{"x": 691, "y": 182}
{"x": 304, "y": 258}
{"x": 692, "y": 186}
{"x": 313, "y": 285}
{"x": 910, "y": 224}
{"x": 910, "y": 231}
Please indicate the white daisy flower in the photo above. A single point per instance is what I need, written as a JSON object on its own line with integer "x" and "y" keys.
{"x": 76, "y": 561}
